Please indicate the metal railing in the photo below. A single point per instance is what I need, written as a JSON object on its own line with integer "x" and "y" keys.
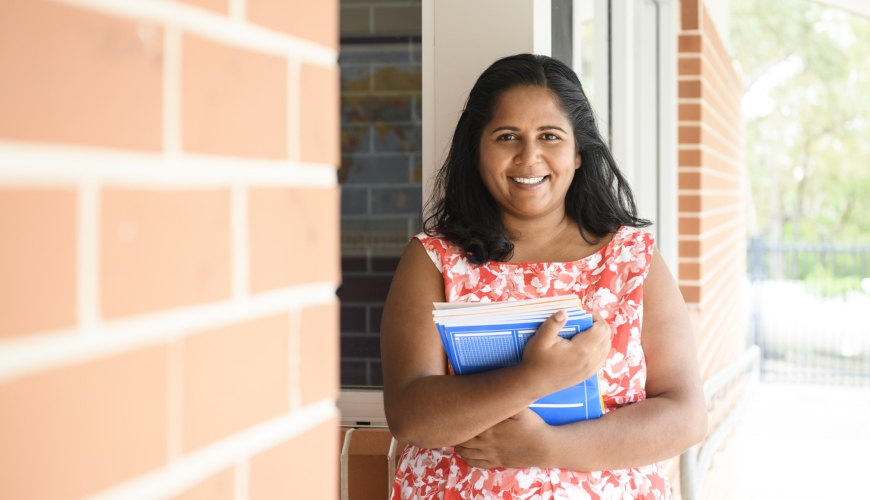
{"x": 696, "y": 461}
{"x": 808, "y": 310}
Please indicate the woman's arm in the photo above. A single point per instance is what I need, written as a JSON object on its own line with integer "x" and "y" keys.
{"x": 670, "y": 420}
{"x": 428, "y": 408}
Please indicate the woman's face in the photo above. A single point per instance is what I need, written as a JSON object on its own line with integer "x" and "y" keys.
{"x": 527, "y": 153}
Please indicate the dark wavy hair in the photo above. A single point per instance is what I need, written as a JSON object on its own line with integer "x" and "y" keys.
{"x": 599, "y": 199}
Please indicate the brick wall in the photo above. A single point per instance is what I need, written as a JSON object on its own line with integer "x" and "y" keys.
{"x": 712, "y": 180}
{"x": 381, "y": 168}
{"x": 712, "y": 187}
{"x": 168, "y": 249}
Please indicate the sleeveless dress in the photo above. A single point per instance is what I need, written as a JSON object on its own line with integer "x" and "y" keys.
{"x": 608, "y": 282}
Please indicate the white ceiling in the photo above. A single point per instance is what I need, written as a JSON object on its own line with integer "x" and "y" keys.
{"x": 860, "y": 7}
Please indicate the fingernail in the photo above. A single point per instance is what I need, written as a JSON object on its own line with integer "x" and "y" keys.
{"x": 561, "y": 316}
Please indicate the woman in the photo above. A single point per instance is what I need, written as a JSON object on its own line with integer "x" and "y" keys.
{"x": 532, "y": 204}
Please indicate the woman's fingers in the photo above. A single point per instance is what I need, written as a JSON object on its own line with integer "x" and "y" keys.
{"x": 474, "y": 457}
{"x": 549, "y": 329}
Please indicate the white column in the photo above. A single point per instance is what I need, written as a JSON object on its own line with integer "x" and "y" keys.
{"x": 669, "y": 22}
{"x": 460, "y": 40}
{"x": 643, "y": 107}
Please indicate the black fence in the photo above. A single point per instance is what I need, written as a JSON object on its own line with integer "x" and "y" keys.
{"x": 809, "y": 306}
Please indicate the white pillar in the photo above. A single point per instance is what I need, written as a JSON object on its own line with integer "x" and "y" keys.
{"x": 460, "y": 40}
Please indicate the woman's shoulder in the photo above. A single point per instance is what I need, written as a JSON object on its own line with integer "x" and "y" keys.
{"x": 440, "y": 249}
{"x": 632, "y": 247}
{"x": 633, "y": 236}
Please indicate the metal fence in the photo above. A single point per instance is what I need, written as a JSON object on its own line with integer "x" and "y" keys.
{"x": 809, "y": 306}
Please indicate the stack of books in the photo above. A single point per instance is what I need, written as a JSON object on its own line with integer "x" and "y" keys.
{"x": 484, "y": 336}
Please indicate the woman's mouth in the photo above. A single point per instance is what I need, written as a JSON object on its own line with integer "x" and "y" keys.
{"x": 530, "y": 182}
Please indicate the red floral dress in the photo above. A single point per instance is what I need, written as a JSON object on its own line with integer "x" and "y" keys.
{"x": 608, "y": 282}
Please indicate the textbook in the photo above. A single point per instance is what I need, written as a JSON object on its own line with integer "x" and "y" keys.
{"x": 483, "y": 336}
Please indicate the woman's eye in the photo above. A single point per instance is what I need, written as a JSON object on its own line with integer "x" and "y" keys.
{"x": 507, "y": 137}
{"x": 550, "y": 137}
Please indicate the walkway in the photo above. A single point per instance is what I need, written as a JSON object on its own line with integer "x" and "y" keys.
{"x": 806, "y": 442}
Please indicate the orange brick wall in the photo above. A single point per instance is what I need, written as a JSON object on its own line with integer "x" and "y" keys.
{"x": 712, "y": 180}
{"x": 168, "y": 249}
{"x": 712, "y": 233}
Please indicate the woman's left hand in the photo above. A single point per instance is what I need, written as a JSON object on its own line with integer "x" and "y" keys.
{"x": 520, "y": 441}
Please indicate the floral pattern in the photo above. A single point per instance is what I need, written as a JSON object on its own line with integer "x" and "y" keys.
{"x": 607, "y": 282}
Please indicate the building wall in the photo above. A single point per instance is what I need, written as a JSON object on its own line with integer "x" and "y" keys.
{"x": 712, "y": 232}
{"x": 169, "y": 225}
{"x": 712, "y": 180}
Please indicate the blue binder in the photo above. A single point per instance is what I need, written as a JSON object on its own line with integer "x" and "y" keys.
{"x": 474, "y": 348}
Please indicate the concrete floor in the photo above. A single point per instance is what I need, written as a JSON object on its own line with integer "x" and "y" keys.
{"x": 806, "y": 442}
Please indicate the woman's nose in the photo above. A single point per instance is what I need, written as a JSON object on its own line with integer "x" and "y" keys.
{"x": 528, "y": 155}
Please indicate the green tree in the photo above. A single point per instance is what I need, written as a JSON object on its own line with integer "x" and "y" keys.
{"x": 806, "y": 74}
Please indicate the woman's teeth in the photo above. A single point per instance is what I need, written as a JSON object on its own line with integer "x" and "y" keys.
{"x": 528, "y": 180}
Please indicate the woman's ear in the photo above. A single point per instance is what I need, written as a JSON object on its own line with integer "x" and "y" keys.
{"x": 577, "y": 161}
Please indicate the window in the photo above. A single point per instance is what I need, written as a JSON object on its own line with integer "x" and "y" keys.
{"x": 381, "y": 169}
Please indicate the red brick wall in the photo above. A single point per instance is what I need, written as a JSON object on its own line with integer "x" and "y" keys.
{"x": 712, "y": 233}
{"x": 712, "y": 177}
{"x": 168, "y": 249}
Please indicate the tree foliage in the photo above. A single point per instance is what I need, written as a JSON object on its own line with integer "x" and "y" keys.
{"x": 806, "y": 73}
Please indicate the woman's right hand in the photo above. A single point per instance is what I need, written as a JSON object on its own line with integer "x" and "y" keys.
{"x": 554, "y": 363}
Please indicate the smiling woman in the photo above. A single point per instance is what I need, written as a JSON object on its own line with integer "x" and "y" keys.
{"x": 527, "y": 116}
{"x": 533, "y": 205}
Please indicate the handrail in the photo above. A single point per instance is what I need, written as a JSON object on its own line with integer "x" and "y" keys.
{"x": 695, "y": 461}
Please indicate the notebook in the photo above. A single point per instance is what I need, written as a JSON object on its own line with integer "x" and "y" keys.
{"x": 484, "y": 336}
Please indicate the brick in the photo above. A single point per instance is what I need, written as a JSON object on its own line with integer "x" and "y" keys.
{"x": 691, "y": 294}
{"x": 221, "y": 6}
{"x": 689, "y": 203}
{"x": 353, "y": 373}
{"x": 235, "y": 377}
{"x": 375, "y": 315}
{"x": 353, "y": 264}
{"x": 364, "y": 288}
{"x": 689, "y": 225}
{"x": 690, "y": 158}
{"x": 79, "y": 77}
{"x": 689, "y": 89}
{"x": 217, "y": 487}
{"x": 319, "y": 345}
{"x": 377, "y": 374}
{"x": 690, "y": 180}
{"x": 689, "y": 43}
{"x": 314, "y": 21}
{"x": 690, "y": 15}
{"x": 690, "y": 112}
{"x": 690, "y": 271}
{"x": 293, "y": 237}
{"x": 319, "y": 115}
{"x": 690, "y": 249}
{"x": 385, "y": 264}
{"x": 360, "y": 346}
{"x": 37, "y": 260}
{"x": 73, "y": 431}
{"x": 353, "y": 319}
{"x": 690, "y": 134}
{"x": 163, "y": 249}
{"x": 286, "y": 471}
{"x": 234, "y": 101}
{"x": 689, "y": 66}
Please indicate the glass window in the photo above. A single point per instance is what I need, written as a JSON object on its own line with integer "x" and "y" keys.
{"x": 381, "y": 169}
{"x": 572, "y": 38}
